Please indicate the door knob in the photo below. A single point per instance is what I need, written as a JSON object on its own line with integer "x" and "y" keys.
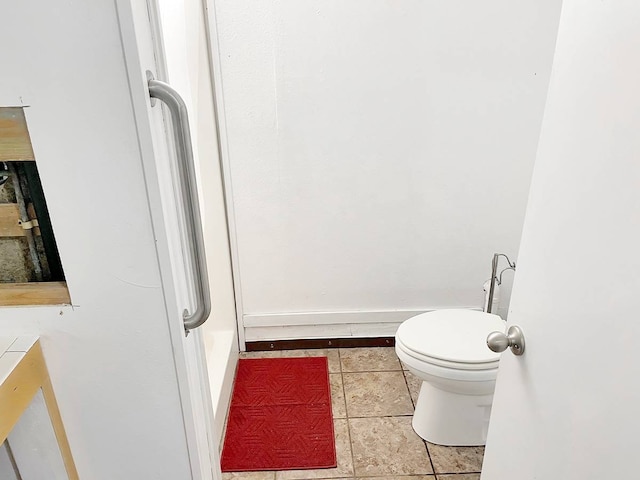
{"x": 514, "y": 339}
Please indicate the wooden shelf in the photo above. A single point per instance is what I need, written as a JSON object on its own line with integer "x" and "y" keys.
{"x": 22, "y": 374}
{"x": 34, "y": 293}
{"x": 15, "y": 143}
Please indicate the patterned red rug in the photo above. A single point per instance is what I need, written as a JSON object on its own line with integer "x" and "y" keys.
{"x": 280, "y": 416}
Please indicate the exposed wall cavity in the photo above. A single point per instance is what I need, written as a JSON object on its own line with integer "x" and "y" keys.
{"x": 16, "y": 263}
{"x": 27, "y": 248}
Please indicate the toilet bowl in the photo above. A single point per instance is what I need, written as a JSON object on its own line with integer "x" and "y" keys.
{"x": 447, "y": 350}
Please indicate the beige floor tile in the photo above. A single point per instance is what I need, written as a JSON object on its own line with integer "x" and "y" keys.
{"x": 414, "y": 384}
{"x": 369, "y": 359}
{"x": 343, "y": 453}
{"x": 331, "y": 353}
{"x": 460, "y": 476}
{"x": 267, "y": 354}
{"x": 338, "y": 406}
{"x": 376, "y": 394}
{"x": 456, "y": 459}
{"x": 404, "y": 367}
{"x": 387, "y": 446}
{"x": 401, "y": 477}
{"x": 249, "y": 476}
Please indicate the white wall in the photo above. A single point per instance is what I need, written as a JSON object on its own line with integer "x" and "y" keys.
{"x": 380, "y": 152}
{"x": 34, "y": 445}
{"x": 110, "y": 355}
{"x": 7, "y": 470}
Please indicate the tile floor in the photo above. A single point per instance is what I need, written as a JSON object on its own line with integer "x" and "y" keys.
{"x": 373, "y": 400}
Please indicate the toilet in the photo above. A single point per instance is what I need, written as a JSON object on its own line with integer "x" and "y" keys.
{"x": 447, "y": 350}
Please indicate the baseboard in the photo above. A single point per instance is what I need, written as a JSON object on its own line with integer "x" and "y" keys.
{"x": 314, "y": 343}
{"x": 327, "y": 325}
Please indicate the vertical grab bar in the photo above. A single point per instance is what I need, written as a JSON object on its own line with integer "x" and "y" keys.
{"x": 190, "y": 203}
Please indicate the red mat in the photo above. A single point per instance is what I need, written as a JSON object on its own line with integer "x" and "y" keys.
{"x": 280, "y": 416}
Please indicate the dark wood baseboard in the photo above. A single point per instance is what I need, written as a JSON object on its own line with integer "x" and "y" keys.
{"x": 321, "y": 343}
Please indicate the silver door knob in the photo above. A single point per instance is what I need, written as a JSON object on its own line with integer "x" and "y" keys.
{"x": 514, "y": 339}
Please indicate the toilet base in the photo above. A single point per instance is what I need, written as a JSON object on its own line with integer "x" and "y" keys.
{"x": 451, "y": 419}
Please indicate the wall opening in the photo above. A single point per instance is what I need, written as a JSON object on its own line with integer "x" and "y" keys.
{"x": 30, "y": 268}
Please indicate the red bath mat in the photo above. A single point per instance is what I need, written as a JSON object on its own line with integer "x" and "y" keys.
{"x": 280, "y": 416}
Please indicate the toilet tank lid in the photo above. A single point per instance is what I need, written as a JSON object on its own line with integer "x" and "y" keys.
{"x": 454, "y": 335}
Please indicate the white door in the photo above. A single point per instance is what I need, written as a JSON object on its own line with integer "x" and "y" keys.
{"x": 568, "y": 408}
{"x": 144, "y": 49}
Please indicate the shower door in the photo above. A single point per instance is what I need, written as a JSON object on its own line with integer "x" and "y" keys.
{"x": 166, "y": 144}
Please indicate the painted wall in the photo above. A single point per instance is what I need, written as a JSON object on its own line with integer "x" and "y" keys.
{"x": 110, "y": 354}
{"x": 33, "y": 446}
{"x": 380, "y": 152}
{"x": 7, "y": 470}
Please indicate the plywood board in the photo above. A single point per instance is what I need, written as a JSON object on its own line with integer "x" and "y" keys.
{"x": 10, "y": 220}
{"x": 15, "y": 143}
{"x": 35, "y": 293}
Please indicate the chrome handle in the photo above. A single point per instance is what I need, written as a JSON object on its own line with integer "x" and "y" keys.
{"x": 514, "y": 339}
{"x": 190, "y": 203}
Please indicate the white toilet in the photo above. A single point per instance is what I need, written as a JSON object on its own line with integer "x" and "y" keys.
{"x": 447, "y": 350}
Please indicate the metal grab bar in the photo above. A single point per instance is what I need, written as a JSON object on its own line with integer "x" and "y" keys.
{"x": 190, "y": 202}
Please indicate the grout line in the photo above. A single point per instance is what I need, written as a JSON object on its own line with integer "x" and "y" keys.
{"x": 376, "y": 371}
{"x": 346, "y": 415}
{"x": 433, "y": 467}
{"x": 454, "y": 474}
{"x": 406, "y": 381}
{"x": 404, "y": 475}
{"x": 426, "y": 446}
{"x": 404, "y": 415}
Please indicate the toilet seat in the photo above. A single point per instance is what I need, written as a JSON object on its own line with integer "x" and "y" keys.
{"x": 441, "y": 375}
{"x": 452, "y": 339}
{"x": 443, "y": 363}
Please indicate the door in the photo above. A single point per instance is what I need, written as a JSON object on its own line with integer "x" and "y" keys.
{"x": 568, "y": 408}
{"x": 189, "y": 67}
{"x": 118, "y": 357}
{"x": 165, "y": 139}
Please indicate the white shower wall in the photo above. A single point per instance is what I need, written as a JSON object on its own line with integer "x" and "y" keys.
{"x": 380, "y": 152}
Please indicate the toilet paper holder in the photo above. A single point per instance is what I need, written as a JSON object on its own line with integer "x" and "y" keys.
{"x": 495, "y": 278}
